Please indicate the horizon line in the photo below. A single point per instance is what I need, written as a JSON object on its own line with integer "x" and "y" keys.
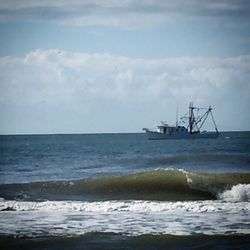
{"x": 100, "y": 133}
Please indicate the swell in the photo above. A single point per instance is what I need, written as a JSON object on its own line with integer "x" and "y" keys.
{"x": 169, "y": 184}
{"x": 232, "y": 159}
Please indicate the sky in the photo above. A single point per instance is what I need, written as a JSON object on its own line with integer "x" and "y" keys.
{"x": 107, "y": 66}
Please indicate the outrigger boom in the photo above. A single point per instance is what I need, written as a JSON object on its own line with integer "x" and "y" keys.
{"x": 197, "y": 124}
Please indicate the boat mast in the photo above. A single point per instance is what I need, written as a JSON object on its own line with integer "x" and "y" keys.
{"x": 177, "y": 123}
{"x": 191, "y": 117}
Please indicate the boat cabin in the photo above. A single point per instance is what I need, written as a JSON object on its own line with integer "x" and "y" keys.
{"x": 166, "y": 129}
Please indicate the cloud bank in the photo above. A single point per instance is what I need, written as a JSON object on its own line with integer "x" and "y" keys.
{"x": 129, "y": 92}
{"x": 125, "y": 14}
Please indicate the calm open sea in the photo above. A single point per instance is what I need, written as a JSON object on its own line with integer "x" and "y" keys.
{"x": 122, "y": 191}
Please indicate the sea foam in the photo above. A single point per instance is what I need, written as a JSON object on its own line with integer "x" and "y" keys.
{"x": 240, "y": 192}
{"x": 57, "y": 218}
{"x": 122, "y": 206}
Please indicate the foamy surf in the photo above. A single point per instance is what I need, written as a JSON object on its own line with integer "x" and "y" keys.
{"x": 53, "y": 218}
{"x": 123, "y": 206}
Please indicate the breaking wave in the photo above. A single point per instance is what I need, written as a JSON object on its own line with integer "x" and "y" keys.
{"x": 161, "y": 184}
{"x": 240, "y": 192}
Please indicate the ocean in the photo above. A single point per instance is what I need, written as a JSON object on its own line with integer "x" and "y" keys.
{"x": 122, "y": 191}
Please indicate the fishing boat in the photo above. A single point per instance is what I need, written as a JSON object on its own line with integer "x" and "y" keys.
{"x": 193, "y": 129}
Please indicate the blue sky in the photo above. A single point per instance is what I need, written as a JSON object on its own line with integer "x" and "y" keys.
{"x": 117, "y": 66}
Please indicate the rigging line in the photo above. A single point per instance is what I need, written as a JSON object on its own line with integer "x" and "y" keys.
{"x": 196, "y": 122}
{"x": 204, "y": 119}
{"x": 214, "y": 122}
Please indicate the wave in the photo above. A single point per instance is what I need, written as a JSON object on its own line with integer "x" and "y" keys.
{"x": 161, "y": 184}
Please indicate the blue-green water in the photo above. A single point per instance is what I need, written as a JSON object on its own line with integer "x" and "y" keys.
{"x": 117, "y": 189}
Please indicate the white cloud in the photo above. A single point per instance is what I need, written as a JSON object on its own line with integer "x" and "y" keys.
{"x": 53, "y": 77}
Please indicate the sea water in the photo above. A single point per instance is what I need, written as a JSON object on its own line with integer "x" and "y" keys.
{"x": 123, "y": 191}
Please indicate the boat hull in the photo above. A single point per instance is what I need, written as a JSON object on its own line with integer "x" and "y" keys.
{"x": 154, "y": 135}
